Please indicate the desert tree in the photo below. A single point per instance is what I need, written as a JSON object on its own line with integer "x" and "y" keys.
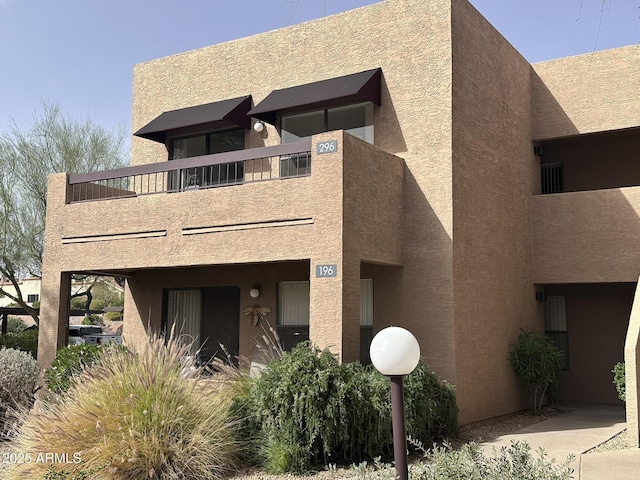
{"x": 54, "y": 143}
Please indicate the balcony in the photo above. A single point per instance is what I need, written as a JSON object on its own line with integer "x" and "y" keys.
{"x": 587, "y": 236}
{"x": 280, "y": 203}
{"x": 207, "y": 171}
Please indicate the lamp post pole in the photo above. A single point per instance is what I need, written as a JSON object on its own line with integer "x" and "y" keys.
{"x": 395, "y": 353}
{"x": 399, "y": 431}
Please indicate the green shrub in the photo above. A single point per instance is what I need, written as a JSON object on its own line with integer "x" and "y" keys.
{"x": 17, "y": 384}
{"x": 620, "y": 381}
{"x": 107, "y": 294}
{"x": 134, "y": 416}
{"x": 53, "y": 474}
{"x": 114, "y": 316}
{"x": 78, "y": 303}
{"x": 92, "y": 319}
{"x": 537, "y": 361}
{"x": 308, "y": 410}
{"x": 431, "y": 411}
{"x": 515, "y": 462}
{"x": 69, "y": 361}
{"x": 509, "y": 463}
{"x": 27, "y": 341}
{"x": 97, "y": 304}
{"x": 15, "y": 325}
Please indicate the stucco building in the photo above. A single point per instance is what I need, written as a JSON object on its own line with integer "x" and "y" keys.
{"x": 29, "y": 288}
{"x": 411, "y": 168}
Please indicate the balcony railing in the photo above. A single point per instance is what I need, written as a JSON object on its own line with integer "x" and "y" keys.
{"x": 207, "y": 171}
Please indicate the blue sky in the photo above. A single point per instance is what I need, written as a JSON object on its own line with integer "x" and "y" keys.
{"x": 80, "y": 53}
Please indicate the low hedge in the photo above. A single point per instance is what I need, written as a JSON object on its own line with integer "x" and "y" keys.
{"x": 26, "y": 341}
{"x": 70, "y": 360}
{"x": 308, "y": 410}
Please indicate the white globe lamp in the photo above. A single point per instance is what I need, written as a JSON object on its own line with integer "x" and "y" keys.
{"x": 395, "y": 352}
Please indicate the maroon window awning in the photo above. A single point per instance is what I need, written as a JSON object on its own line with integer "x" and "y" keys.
{"x": 216, "y": 115}
{"x": 354, "y": 88}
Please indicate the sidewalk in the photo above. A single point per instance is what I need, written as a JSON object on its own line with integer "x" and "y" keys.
{"x": 583, "y": 428}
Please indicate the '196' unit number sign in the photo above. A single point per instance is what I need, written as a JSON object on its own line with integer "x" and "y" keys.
{"x": 327, "y": 147}
{"x": 327, "y": 270}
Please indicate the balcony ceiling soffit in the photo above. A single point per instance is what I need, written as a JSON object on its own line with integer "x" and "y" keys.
{"x": 226, "y": 113}
{"x": 353, "y": 88}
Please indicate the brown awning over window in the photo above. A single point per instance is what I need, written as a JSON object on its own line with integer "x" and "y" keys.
{"x": 357, "y": 87}
{"x": 223, "y": 114}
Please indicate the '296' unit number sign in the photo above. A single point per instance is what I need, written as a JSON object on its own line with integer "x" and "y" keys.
{"x": 327, "y": 147}
{"x": 327, "y": 270}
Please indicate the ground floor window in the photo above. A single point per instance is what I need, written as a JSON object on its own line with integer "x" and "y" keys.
{"x": 366, "y": 319}
{"x": 293, "y": 314}
{"x": 207, "y": 317}
{"x": 556, "y": 325}
{"x": 184, "y": 315}
{"x": 293, "y": 303}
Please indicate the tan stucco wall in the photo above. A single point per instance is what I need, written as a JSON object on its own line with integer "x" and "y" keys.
{"x": 632, "y": 366}
{"x": 317, "y": 198}
{"x": 164, "y": 224}
{"x": 583, "y": 237}
{"x": 494, "y": 174}
{"x": 28, "y": 286}
{"x": 413, "y": 122}
{"x": 145, "y": 291}
{"x": 597, "y": 319}
{"x": 452, "y": 225}
{"x": 587, "y": 93}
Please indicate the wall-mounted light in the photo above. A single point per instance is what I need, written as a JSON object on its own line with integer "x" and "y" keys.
{"x": 258, "y": 126}
{"x": 255, "y": 291}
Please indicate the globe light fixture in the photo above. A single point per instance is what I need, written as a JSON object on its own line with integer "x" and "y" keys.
{"x": 258, "y": 126}
{"x": 395, "y": 352}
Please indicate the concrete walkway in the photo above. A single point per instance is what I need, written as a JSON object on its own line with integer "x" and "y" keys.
{"x": 583, "y": 428}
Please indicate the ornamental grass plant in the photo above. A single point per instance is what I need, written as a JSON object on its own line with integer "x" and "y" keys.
{"x": 131, "y": 416}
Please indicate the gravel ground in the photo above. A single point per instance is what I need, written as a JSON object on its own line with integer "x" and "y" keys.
{"x": 484, "y": 431}
{"x": 479, "y": 432}
{"x": 619, "y": 442}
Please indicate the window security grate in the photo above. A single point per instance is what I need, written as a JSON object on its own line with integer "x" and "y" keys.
{"x": 551, "y": 175}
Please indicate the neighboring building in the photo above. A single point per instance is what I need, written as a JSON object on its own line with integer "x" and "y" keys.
{"x": 414, "y": 169}
{"x": 29, "y": 288}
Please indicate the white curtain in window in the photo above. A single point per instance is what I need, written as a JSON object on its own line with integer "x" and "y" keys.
{"x": 556, "y": 314}
{"x": 293, "y": 303}
{"x": 366, "y": 302}
{"x": 184, "y": 309}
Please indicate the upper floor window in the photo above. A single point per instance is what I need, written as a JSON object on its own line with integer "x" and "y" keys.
{"x": 551, "y": 178}
{"x": 207, "y": 144}
{"x": 355, "y": 119}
